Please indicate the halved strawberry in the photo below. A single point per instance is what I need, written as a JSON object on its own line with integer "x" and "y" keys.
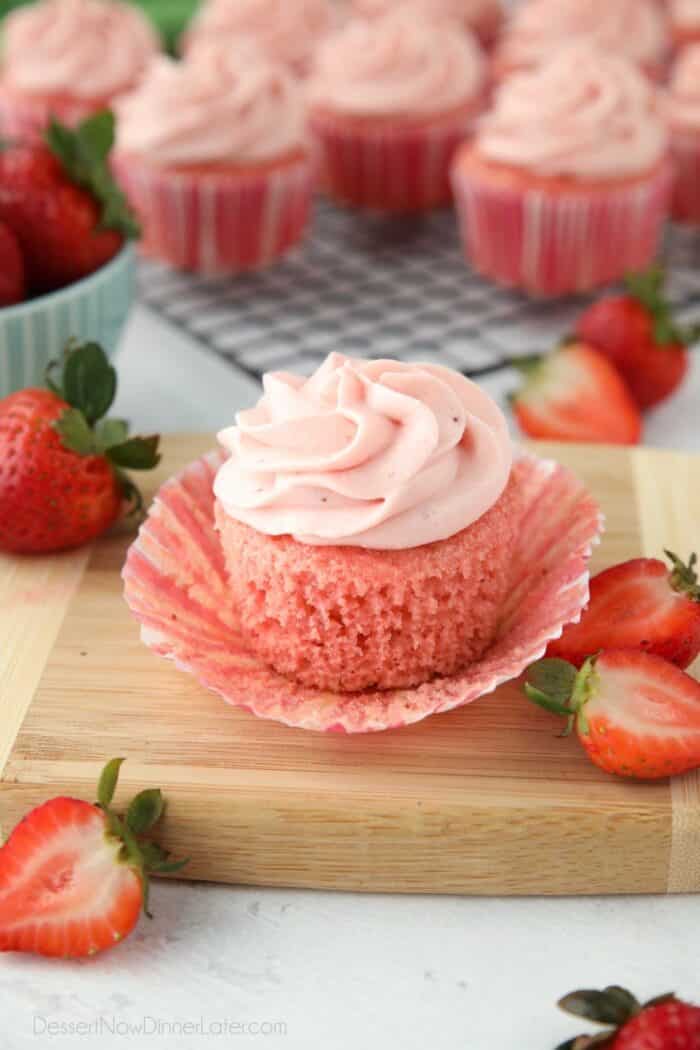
{"x": 635, "y": 714}
{"x": 575, "y": 394}
{"x": 664, "y": 1023}
{"x": 639, "y": 605}
{"x": 74, "y": 876}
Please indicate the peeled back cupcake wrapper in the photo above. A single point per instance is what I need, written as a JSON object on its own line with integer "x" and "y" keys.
{"x": 177, "y": 588}
{"x": 560, "y": 242}
{"x": 216, "y": 224}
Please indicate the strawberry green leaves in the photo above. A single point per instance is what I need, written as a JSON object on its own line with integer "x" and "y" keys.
{"x": 88, "y": 384}
{"x": 649, "y": 289}
{"x": 83, "y": 153}
{"x": 107, "y": 784}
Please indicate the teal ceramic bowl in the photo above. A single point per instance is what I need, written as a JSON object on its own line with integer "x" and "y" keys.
{"x": 35, "y": 332}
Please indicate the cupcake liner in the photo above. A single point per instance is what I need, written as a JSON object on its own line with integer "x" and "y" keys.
{"x": 176, "y": 586}
{"x": 685, "y": 203}
{"x": 35, "y": 332}
{"x": 24, "y": 117}
{"x": 218, "y": 222}
{"x": 559, "y": 242}
{"x": 389, "y": 166}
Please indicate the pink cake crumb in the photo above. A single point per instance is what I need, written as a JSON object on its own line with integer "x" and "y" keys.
{"x": 348, "y": 619}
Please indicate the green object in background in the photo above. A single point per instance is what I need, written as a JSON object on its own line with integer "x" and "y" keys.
{"x": 169, "y": 16}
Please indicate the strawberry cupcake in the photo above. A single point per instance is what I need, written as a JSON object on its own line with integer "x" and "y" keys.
{"x": 390, "y": 99}
{"x": 635, "y": 29}
{"x": 685, "y": 21}
{"x": 566, "y": 184}
{"x": 69, "y": 59}
{"x": 287, "y": 31}
{"x": 213, "y": 155}
{"x": 367, "y": 517}
{"x": 481, "y": 17}
{"x": 683, "y": 113}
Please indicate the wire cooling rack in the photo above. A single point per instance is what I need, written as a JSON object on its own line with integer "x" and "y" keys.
{"x": 369, "y": 286}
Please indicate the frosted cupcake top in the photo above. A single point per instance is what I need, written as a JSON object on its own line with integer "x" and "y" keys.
{"x": 219, "y": 106}
{"x": 683, "y": 96}
{"x": 585, "y": 113}
{"x": 473, "y": 14}
{"x": 685, "y": 14}
{"x": 634, "y": 28}
{"x": 375, "y": 454}
{"x": 399, "y": 64}
{"x": 90, "y": 49}
{"x": 287, "y": 30}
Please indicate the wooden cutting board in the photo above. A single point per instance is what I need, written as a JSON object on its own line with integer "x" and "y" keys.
{"x": 484, "y": 800}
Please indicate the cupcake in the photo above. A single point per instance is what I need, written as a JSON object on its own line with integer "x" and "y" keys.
{"x": 481, "y": 17}
{"x": 212, "y": 153}
{"x": 635, "y": 29}
{"x": 69, "y": 59}
{"x": 566, "y": 185}
{"x": 390, "y": 99}
{"x": 367, "y": 516}
{"x": 685, "y": 21}
{"x": 287, "y": 31}
{"x": 683, "y": 113}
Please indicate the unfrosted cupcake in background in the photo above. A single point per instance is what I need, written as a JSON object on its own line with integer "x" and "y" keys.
{"x": 482, "y": 17}
{"x": 367, "y": 516}
{"x": 69, "y": 59}
{"x": 685, "y": 21}
{"x": 538, "y": 29}
{"x": 566, "y": 185}
{"x": 390, "y": 99}
{"x": 683, "y": 113}
{"x": 287, "y": 31}
{"x": 213, "y": 155}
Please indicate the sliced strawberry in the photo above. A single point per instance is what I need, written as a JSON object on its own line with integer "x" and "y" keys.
{"x": 638, "y": 334}
{"x": 638, "y": 605}
{"x": 664, "y": 1023}
{"x": 12, "y": 282}
{"x": 74, "y": 876}
{"x": 635, "y": 714}
{"x": 575, "y": 394}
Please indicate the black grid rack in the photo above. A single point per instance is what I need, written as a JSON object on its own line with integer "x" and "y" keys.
{"x": 369, "y": 286}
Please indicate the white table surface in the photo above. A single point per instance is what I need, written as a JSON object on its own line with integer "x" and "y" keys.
{"x": 303, "y": 970}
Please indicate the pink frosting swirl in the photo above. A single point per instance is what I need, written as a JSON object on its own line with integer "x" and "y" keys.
{"x": 685, "y": 14}
{"x": 634, "y": 28}
{"x": 683, "y": 96}
{"x": 472, "y": 14}
{"x": 401, "y": 63}
{"x": 375, "y": 454}
{"x": 220, "y": 106}
{"x": 88, "y": 49}
{"x": 287, "y": 30}
{"x": 585, "y": 113}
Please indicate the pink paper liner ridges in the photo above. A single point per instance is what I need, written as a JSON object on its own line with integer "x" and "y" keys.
{"x": 176, "y": 586}
{"x": 685, "y": 150}
{"x": 218, "y": 223}
{"x": 389, "y": 166}
{"x": 559, "y": 242}
{"x": 27, "y": 118}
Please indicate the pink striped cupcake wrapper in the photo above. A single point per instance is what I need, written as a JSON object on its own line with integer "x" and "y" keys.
{"x": 685, "y": 150}
{"x": 559, "y": 243}
{"x": 26, "y": 118}
{"x": 176, "y": 584}
{"x": 389, "y": 167}
{"x": 218, "y": 223}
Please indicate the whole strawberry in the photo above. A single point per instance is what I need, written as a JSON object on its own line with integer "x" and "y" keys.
{"x": 74, "y": 875}
{"x": 635, "y": 714}
{"x": 61, "y": 463}
{"x": 638, "y": 334}
{"x": 62, "y": 203}
{"x": 12, "y": 280}
{"x": 664, "y": 1023}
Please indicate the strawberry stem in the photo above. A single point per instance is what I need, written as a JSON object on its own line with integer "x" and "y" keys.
{"x": 684, "y": 578}
{"x": 648, "y": 288}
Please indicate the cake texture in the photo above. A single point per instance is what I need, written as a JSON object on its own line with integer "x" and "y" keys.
{"x": 211, "y": 151}
{"x": 565, "y": 165}
{"x": 367, "y": 517}
{"x": 390, "y": 99}
{"x": 682, "y": 104}
{"x": 68, "y": 59}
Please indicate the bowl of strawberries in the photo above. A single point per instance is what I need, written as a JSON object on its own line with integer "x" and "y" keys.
{"x": 67, "y": 267}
